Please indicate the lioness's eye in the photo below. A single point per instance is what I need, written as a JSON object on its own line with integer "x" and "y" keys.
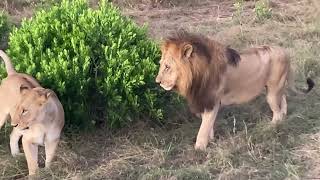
{"x": 24, "y": 112}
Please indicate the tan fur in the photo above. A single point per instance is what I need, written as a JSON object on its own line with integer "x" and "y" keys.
{"x": 211, "y": 75}
{"x": 9, "y": 67}
{"x": 39, "y": 119}
{"x": 46, "y": 131}
{"x": 10, "y": 88}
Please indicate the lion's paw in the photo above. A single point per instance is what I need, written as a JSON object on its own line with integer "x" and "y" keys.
{"x": 277, "y": 118}
{"x": 211, "y": 135}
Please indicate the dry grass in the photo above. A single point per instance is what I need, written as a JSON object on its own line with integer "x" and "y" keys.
{"x": 246, "y": 147}
{"x": 151, "y": 4}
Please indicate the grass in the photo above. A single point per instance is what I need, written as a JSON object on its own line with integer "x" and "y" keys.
{"x": 245, "y": 147}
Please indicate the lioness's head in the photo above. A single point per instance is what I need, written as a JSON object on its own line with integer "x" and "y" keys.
{"x": 31, "y": 107}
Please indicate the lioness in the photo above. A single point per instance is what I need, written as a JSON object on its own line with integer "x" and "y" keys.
{"x": 9, "y": 88}
{"x": 39, "y": 119}
{"x": 10, "y": 94}
{"x": 210, "y": 75}
{"x": 35, "y": 112}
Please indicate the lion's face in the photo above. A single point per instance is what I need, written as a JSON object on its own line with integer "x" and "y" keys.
{"x": 30, "y": 108}
{"x": 168, "y": 71}
{"x": 171, "y": 65}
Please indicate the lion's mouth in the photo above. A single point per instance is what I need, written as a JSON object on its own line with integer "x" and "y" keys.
{"x": 167, "y": 88}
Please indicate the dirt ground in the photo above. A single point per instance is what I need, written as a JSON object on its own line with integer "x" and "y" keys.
{"x": 245, "y": 146}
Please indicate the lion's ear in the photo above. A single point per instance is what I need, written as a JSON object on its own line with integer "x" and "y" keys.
{"x": 24, "y": 88}
{"x": 187, "y": 50}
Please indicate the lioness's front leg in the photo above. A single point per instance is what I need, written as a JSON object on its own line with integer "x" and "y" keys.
{"x": 3, "y": 118}
{"x": 31, "y": 152}
{"x": 50, "y": 148}
{"x": 14, "y": 141}
{"x": 208, "y": 119}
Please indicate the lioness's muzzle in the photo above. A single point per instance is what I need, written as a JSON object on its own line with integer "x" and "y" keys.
{"x": 158, "y": 80}
{"x": 25, "y": 128}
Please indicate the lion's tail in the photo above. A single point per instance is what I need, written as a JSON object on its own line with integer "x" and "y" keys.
{"x": 7, "y": 62}
{"x": 310, "y": 83}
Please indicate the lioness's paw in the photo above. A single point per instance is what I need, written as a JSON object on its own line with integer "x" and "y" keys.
{"x": 16, "y": 154}
{"x": 201, "y": 145}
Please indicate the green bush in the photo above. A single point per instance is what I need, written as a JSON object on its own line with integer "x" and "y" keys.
{"x": 4, "y": 29}
{"x": 4, "y": 25}
{"x": 262, "y": 10}
{"x": 100, "y": 63}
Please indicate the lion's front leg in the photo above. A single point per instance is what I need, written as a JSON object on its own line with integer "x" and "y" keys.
{"x": 206, "y": 128}
{"x": 211, "y": 135}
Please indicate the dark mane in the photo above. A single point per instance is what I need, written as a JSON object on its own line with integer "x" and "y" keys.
{"x": 199, "y": 42}
{"x": 202, "y": 76}
{"x": 202, "y": 45}
{"x": 233, "y": 56}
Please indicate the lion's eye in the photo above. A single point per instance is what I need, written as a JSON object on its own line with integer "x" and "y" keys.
{"x": 167, "y": 67}
{"x": 24, "y": 112}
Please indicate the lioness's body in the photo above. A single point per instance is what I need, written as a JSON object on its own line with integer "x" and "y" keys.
{"x": 45, "y": 132}
{"x": 39, "y": 119}
{"x": 210, "y": 75}
{"x": 10, "y": 88}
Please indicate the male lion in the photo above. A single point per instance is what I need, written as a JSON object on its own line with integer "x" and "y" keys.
{"x": 39, "y": 119}
{"x": 210, "y": 75}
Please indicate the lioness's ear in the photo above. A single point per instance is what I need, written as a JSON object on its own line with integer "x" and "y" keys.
{"x": 187, "y": 50}
{"x": 24, "y": 88}
{"x": 49, "y": 92}
{"x": 44, "y": 93}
